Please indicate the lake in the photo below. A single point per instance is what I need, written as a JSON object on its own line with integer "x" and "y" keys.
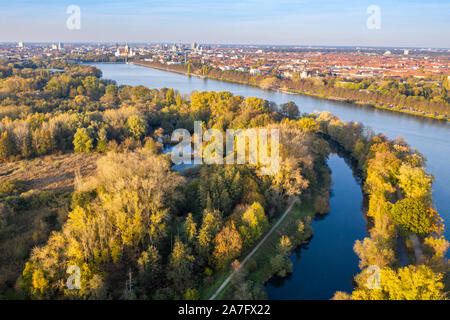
{"x": 327, "y": 264}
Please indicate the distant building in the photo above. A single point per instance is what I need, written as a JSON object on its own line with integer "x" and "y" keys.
{"x": 405, "y": 52}
{"x": 20, "y": 45}
{"x": 305, "y": 74}
{"x": 226, "y": 68}
{"x": 125, "y": 52}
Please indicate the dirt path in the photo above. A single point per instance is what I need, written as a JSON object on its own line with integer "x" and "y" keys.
{"x": 401, "y": 252}
{"x": 417, "y": 249}
{"x": 227, "y": 280}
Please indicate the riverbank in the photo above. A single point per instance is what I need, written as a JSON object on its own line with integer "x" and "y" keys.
{"x": 256, "y": 261}
{"x": 294, "y": 91}
{"x": 403, "y": 252}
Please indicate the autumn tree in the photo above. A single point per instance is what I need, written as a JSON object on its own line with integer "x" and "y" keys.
{"x": 228, "y": 245}
{"x": 205, "y": 70}
{"x": 190, "y": 228}
{"x": 408, "y": 283}
{"x": 126, "y": 217}
{"x": 374, "y": 251}
{"x": 308, "y": 124}
{"x": 179, "y": 101}
{"x": 414, "y": 181}
{"x": 413, "y": 215}
{"x": 254, "y": 223}
{"x": 170, "y": 97}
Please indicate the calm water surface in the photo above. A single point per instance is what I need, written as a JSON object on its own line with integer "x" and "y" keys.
{"x": 328, "y": 263}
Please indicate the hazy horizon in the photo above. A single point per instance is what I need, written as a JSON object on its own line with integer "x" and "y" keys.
{"x": 318, "y": 46}
{"x": 240, "y": 22}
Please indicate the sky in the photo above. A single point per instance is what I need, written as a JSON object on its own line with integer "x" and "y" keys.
{"x": 403, "y": 23}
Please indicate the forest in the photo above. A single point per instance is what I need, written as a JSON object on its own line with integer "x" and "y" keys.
{"x": 135, "y": 228}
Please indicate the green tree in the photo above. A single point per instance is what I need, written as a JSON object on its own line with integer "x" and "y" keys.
{"x": 170, "y": 97}
{"x": 149, "y": 264}
{"x": 92, "y": 86}
{"x": 6, "y": 145}
{"x": 413, "y": 215}
{"x": 290, "y": 110}
{"x": 192, "y": 294}
{"x": 180, "y": 267}
{"x": 281, "y": 264}
{"x": 254, "y": 224}
{"x": 190, "y": 228}
{"x": 136, "y": 127}
{"x": 212, "y": 222}
{"x": 82, "y": 141}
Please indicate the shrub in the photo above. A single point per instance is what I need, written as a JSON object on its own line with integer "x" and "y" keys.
{"x": 11, "y": 187}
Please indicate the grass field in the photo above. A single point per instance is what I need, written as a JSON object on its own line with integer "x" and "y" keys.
{"x": 41, "y": 206}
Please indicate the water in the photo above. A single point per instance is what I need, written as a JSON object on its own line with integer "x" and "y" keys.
{"x": 174, "y": 149}
{"x": 329, "y": 259}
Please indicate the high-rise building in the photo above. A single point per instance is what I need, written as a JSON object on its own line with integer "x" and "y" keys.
{"x": 20, "y": 45}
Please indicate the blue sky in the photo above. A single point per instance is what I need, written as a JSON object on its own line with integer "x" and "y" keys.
{"x": 296, "y": 22}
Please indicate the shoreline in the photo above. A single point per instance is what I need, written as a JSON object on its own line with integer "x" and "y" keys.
{"x": 305, "y": 93}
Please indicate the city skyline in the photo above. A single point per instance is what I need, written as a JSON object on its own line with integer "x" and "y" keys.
{"x": 288, "y": 22}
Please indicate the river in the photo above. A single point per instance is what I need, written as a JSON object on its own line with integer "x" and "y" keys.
{"x": 328, "y": 263}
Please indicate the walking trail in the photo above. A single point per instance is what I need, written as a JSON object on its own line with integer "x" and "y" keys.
{"x": 227, "y": 280}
